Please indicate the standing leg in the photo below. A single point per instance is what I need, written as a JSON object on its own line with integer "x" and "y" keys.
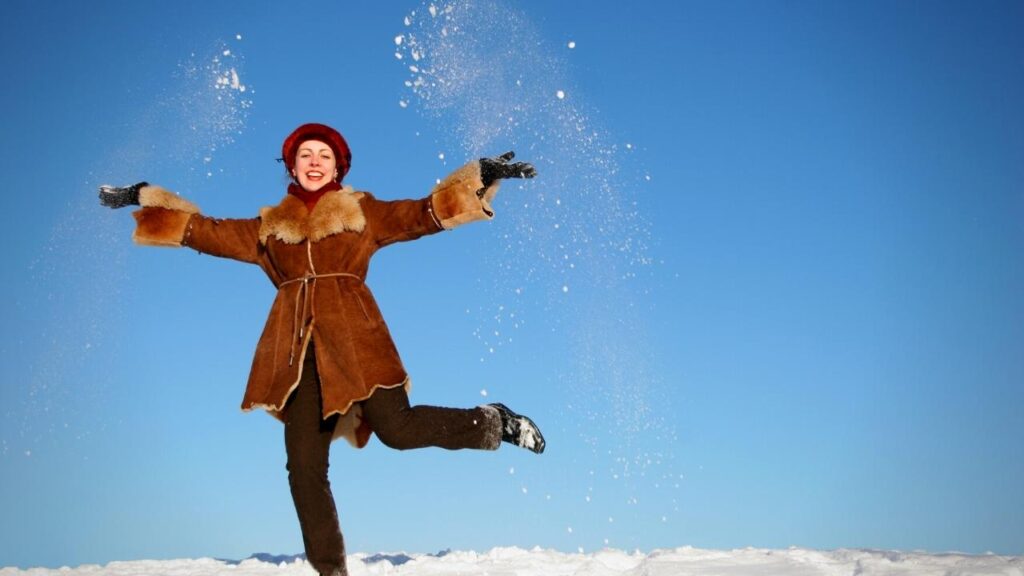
{"x": 307, "y": 439}
{"x": 401, "y": 426}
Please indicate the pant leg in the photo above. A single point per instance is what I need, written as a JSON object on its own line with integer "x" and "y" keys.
{"x": 307, "y": 441}
{"x": 401, "y": 426}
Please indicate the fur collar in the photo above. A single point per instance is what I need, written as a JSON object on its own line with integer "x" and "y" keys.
{"x": 292, "y": 222}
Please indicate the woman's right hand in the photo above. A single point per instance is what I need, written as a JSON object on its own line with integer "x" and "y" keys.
{"x": 119, "y": 197}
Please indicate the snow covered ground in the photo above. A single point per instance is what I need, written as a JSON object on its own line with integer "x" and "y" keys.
{"x": 519, "y": 562}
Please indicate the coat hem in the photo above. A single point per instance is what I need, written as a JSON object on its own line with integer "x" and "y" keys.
{"x": 406, "y": 383}
{"x": 291, "y": 389}
{"x": 350, "y": 418}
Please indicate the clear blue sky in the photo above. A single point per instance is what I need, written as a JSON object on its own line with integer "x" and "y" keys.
{"x": 767, "y": 290}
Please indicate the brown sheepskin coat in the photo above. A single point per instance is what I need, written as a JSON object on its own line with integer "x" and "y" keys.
{"x": 318, "y": 261}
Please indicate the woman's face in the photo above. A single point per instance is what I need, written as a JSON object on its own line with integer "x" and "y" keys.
{"x": 315, "y": 165}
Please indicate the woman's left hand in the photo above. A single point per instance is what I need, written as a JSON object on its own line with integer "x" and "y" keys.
{"x": 466, "y": 194}
{"x": 492, "y": 169}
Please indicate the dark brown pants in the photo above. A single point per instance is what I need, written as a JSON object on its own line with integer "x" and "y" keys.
{"x": 307, "y": 439}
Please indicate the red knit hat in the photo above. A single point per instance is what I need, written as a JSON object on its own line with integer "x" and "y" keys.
{"x": 323, "y": 133}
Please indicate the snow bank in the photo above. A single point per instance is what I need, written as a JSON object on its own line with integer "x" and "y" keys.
{"x": 518, "y": 562}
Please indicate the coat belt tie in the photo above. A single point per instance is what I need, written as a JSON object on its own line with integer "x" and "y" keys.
{"x": 302, "y": 304}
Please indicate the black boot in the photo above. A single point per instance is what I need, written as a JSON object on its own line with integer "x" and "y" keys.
{"x": 519, "y": 430}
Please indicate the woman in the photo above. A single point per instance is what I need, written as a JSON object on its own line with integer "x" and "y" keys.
{"x": 326, "y": 365}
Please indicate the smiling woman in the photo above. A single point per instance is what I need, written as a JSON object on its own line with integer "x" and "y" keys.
{"x": 313, "y": 163}
{"x": 317, "y": 159}
{"x": 326, "y": 365}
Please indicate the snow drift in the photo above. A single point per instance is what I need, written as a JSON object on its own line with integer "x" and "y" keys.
{"x": 518, "y": 562}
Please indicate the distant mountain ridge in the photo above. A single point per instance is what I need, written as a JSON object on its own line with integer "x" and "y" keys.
{"x": 393, "y": 559}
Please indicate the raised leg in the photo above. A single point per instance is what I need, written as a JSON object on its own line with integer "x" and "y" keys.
{"x": 404, "y": 427}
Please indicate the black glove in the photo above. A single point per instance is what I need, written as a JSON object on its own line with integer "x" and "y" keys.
{"x": 492, "y": 169}
{"x": 119, "y": 197}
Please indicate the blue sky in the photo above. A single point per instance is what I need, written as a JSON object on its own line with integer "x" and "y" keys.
{"x": 765, "y": 292}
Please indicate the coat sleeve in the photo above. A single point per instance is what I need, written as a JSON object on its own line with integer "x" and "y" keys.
{"x": 237, "y": 239}
{"x": 458, "y": 199}
{"x": 399, "y": 220}
{"x": 167, "y": 219}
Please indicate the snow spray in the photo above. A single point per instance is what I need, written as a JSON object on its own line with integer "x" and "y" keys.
{"x": 578, "y": 245}
{"x": 77, "y": 277}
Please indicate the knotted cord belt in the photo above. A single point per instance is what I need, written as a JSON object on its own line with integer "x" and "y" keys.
{"x": 302, "y": 295}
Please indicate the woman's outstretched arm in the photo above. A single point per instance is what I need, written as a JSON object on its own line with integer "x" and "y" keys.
{"x": 463, "y": 196}
{"x": 166, "y": 219}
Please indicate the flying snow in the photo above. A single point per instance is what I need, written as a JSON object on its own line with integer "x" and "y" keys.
{"x": 201, "y": 109}
{"x": 213, "y": 104}
{"x": 483, "y": 70}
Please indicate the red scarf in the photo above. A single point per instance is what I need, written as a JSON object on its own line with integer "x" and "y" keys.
{"x": 311, "y": 198}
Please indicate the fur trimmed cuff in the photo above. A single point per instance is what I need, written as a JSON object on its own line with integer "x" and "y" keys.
{"x": 492, "y": 427}
{"x": 163, "y": 219}
{"x": 455, "y": 201}
{"x": 160, "y": 227}
{"x": 157, "y": 197}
